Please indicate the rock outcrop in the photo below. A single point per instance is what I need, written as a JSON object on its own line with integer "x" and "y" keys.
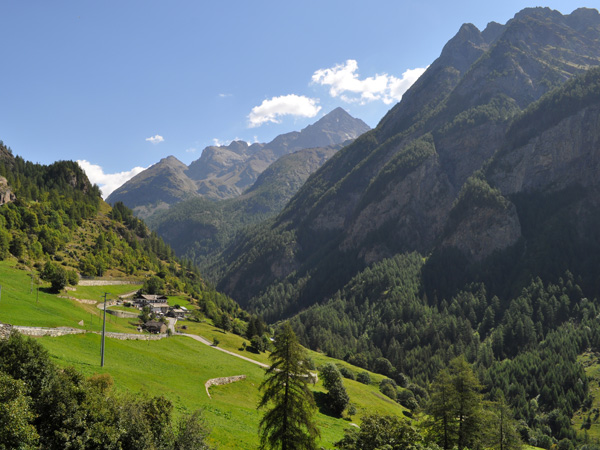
{"x": 6, "y": 195}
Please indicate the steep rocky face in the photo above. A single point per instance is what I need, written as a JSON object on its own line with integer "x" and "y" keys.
{"x": 218, "y": 160}
{"x": 6, "y": 194}
{"x": 484, "y": 230}
{"x": 393, "y": 189}
{"x": 562, "y": 156}
{"x": 225, "y": 172}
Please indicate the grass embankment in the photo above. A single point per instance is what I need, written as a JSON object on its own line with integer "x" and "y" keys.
{"x": 591, "y": 363}
{"x": 22, "y": 304}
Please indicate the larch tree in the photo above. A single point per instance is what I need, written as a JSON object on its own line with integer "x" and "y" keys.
{"x": 289, "y": 404}
{"x": 456, "y": 406}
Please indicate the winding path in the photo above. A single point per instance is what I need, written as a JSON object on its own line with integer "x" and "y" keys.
{"x": 207, "y": 342}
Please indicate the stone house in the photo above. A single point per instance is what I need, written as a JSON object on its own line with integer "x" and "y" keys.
{"x": 152, "y": 326}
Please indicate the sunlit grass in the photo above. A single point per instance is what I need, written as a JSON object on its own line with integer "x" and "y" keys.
{"x": 22, "y": 305}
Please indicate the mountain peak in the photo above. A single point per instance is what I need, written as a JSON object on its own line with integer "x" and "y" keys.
{"x": 538, "y": 12}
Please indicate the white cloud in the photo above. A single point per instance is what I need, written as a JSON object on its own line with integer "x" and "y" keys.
{"x": 343, "y": 82}
{"x": 292, "y": 105}
{"x": 107, "y": 182}
{"x": 191, "y": 150}
{"x": 155, "y": 139}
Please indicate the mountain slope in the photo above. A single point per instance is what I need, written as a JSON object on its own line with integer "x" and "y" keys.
{"x": 57, "y": 227}
{"x": 392, "y": 190}
{"x": 198, "y": 228}
{"x": 159, "y": 186}
{"x": 226, "y": 171}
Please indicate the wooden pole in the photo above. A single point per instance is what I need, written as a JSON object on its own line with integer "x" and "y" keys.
{"x": 103, "y": 333}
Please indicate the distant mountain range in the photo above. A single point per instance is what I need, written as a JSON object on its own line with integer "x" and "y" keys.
{"x": 224, "y": 172}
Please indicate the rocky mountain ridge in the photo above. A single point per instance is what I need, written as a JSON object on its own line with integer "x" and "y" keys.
{"x": 395, "y": 188}
{"x": 226, "y": 171}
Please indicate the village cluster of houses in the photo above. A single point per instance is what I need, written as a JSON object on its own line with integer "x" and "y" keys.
{"x": 158, "y": 305}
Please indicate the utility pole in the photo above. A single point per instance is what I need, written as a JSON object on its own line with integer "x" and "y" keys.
{"x": 103, "y": 333}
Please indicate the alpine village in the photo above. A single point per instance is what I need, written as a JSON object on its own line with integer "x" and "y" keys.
{"x": 431, "y": 283}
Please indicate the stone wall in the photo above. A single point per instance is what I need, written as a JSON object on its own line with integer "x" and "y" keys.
{"x": 83, "y": 282}
{"x": 87, "y": 302}
{"x": 5, "y": 330}
{"x": 57, "y": 332}
{"x": 134, "y": 337}
{"x": 222, "y": 381}
{"x": 53, "y": 332}
{"x": 123, "y": 314}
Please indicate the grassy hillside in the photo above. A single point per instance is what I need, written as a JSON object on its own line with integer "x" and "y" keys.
{"x": 23, "y": 304}
{"x": 176, "y": 367}
{"x": 586, "y": 422}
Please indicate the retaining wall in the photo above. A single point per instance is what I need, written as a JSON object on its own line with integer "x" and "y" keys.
{"x": 5, "y": 330}
{"x": 83, "y": 282}
{"x": 222, "y": 381}
{"x": 123, "y": 314}
{"x": 57, "y": 332}
{"x": 53, "y": 332}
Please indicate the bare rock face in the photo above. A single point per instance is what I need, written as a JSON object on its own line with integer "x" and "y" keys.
{"x": 400, "y": 212}
{"x": 484, "y": 231}
{"x": 564, "y": 155}
{"x": 6, "y": 195}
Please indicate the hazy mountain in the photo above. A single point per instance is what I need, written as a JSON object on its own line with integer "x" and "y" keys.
{"x": 409, "y": 184}
{"x": 197, "y": 228}
{"x": 226, "y": 171}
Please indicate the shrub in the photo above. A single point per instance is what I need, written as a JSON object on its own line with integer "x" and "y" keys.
{"x": 364, "y": 378}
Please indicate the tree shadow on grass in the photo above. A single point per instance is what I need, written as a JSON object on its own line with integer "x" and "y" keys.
{"x": 48, "y": 290}
{"x": 321, "y": 401}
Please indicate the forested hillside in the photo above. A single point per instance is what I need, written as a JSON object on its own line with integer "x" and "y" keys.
{"x": 57, "y": 226}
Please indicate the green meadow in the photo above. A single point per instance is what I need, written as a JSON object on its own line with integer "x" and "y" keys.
{"x": 22, "y": 303}
{"x": 97, "y": 292}
{"x": 587, "y": 423}
{"x": 176, "y": 367}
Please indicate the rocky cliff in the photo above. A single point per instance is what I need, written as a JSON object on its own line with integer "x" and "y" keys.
{"x": 395, "y": 188}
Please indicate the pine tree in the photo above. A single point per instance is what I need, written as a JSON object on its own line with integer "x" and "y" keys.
{"x": 288, "y": 421}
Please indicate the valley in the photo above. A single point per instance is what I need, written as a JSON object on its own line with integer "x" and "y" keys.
{"x": 439, "y": 273}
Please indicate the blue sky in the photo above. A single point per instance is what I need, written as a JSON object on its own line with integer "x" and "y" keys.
{"x": 122, "y": 84}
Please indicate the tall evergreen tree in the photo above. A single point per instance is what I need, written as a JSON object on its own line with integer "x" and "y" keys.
{"x": 456, "y": 406}
{"x": 288, "y": 421}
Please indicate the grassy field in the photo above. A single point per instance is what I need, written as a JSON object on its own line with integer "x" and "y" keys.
{"x": 178, "y": 367}
{"x": 228, "y": 341}
{"x": 97, "y": 292}
{"x": 21, "y": 305}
